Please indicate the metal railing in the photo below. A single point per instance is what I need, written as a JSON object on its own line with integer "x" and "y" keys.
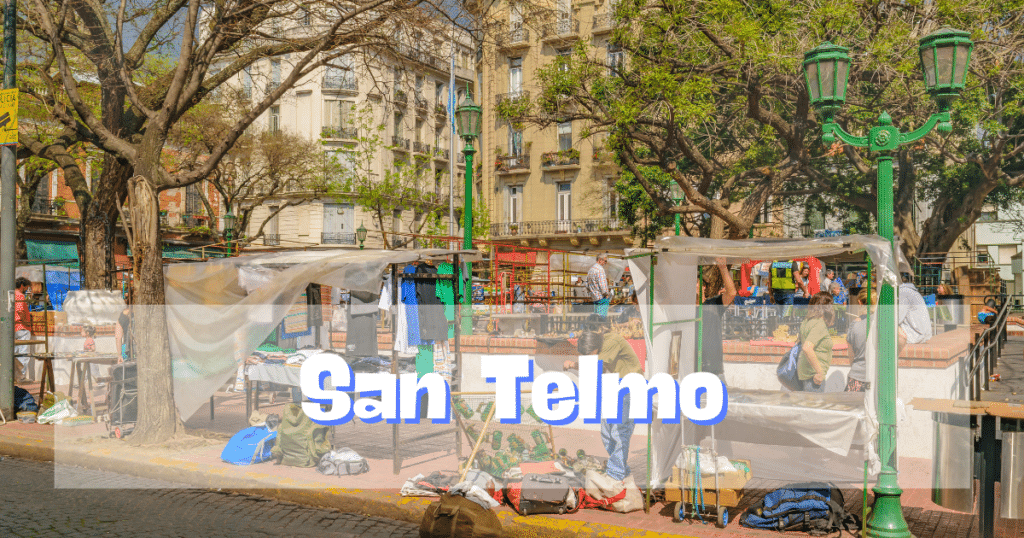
{"x": 192, "y": 221}
{"x": 518, "y": 37}
{"x": 461, "y": 158}
{"x": 400, "y": 143}
{"x": 442, "y": 154}
{"x": 51, "y": 206}
{"x": 420, "y": 147}
{"x": 508, "y": 163}
{"x": 983, "y": 355}
{"x": 558, "y": 227}
{"x": 401, "y": 97}
{"x": 603, "y": 21}
{"x": 337, "y": 238}
{"x": 271, "y": 240}
{"x": 564, "y": 27}
{"x": 441, "y": 110}
{"x": 349, "y": 133}
{"x": 512, "y": 96}
{"x": 421, "y": 103}
{"x": 341, "y": 83}
{"x": 560, "y": 158}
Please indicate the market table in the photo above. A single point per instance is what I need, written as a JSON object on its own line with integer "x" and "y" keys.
{"x": 281, "y": 374}
{"x": 47, "y": 381}
{"x": 80, "y": 365}
{"x": 988, "y": 448}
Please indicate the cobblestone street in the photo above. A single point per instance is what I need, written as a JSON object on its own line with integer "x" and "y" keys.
{"x": 32, "y": 507}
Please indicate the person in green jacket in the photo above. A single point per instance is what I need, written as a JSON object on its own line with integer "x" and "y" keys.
{"x": 816, "y": 346}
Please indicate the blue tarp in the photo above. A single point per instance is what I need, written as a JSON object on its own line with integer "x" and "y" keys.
{"x": 59, "y": 283}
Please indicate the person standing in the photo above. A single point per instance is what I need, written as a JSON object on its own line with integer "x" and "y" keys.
{"x": 712, "y": 311}
{"x": 617, "y": 357}
{"x": 22, "y": 321}
{"x": 856, "y": 380}
{"x": 826, "y": 284}
{"x": 915, "y": 325}
{"x": 597, "y": 285}
{"x": 816, "y": 343}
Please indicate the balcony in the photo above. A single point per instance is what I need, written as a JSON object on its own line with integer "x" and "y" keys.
{"x": 271, "y": 240}
{"x": 422, "y": 105}
{"x": 399, "y": 144}
{"x": 341, "y": 84}
{"x": 603, "y": 23}
{"x": 339, "y": 133}
{"x": 337, "y": 238}
{"x": 564, "y": 29}
{"x": 400, "y": 97}
{"x": 460, "y": 158}
{"x": 552, "y": 227}
{"x": 54, "y": 207}
{"x": 271, "y": 86}
{"x": 441, "y": 110}
{"x": 516, "y": 39}
{"x": 512, "y": 164}
{"x": 556, "y": 160}
{"x": 420, "y": 147}
{"x": 441, "y": 154}
{"x": 194, "y": 221}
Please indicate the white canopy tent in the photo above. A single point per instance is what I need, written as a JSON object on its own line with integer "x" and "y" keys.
{"x": 675, "y": 310}
{"x": 220, "y": 311}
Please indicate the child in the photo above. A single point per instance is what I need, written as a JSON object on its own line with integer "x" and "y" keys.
{"x": 89, "y": 332}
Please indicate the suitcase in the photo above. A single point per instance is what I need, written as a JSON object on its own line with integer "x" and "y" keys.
{"x": 544, "y": 494}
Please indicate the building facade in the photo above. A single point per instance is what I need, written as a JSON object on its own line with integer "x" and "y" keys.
{"x": 372, "y": 113}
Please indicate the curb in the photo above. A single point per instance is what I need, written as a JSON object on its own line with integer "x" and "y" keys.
{"x": 384, "y": 504}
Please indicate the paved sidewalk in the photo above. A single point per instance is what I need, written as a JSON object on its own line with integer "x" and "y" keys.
{"x": 197, "y": 463}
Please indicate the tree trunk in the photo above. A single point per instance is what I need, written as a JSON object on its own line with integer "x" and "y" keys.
{"x": 99, "y": 218}
{"x": 157, "y": 415}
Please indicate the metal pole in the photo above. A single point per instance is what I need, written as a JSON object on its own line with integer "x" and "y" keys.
{"x": 8, "y": 171}
{"x": 467, "y": 242}
{"x": 887, "y": 515}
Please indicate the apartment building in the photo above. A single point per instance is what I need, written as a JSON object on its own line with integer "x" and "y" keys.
{"x": 406, "y": 90}
{"x": 545, "y": 186}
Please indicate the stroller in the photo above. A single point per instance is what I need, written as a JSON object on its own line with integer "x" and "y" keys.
{"x": 122, "y": 400}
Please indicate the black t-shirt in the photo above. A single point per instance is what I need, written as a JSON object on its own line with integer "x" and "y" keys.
{"x": 711, "y": 334}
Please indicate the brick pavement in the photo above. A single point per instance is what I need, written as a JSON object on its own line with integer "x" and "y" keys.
{"x": 34, "y": 508}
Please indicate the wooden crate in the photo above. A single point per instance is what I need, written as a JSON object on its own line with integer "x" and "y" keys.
{"x": 674, "y": 492}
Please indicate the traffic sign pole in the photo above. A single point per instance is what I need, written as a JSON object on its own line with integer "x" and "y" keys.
{"x": 8, "y": 171}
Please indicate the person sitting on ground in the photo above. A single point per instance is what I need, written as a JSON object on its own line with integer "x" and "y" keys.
{"x": 816, "y": 346}
{"x": 989, "y": 313}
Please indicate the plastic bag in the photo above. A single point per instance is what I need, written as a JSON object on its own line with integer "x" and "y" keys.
{"x": 58, "y": 412}
{"x": 601, "y": 486}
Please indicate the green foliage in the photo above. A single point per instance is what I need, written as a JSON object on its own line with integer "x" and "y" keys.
{"x": 637, "y": 208}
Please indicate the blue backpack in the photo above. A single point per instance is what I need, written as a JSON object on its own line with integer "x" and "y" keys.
{"x": 787, "y": 369}
{"x": 251, "y": 445}
{"x": 814, "y": 508}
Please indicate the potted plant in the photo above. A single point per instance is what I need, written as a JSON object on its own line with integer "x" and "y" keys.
{"x": 513, "y": 228}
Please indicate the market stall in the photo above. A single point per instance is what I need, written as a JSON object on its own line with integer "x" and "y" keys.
{"x": 833, "y": 439}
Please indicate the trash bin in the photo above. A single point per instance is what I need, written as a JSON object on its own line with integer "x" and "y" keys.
{"x": 1011, "y": 483}
{"x": 953, "y": 305}
{"x": 953, "y": 462}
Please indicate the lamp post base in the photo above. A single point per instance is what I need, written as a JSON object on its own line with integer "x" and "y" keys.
{"x": 886, "y": 519}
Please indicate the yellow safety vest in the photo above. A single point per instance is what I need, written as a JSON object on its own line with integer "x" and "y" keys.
{"x": 782, "y": 276}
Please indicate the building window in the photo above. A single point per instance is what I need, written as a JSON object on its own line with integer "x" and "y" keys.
{"x": 193, "y": 201}
{"x": 565, "y": 136}
{"x": 275, "y": 119}
{"x": 275, "y": 74}
{"x": 616, "y": 59}
{"x": 564, "y": 56}
{"x": 440, "y": 95}
{"x": 419, "y": 130}
{"x": 305, "y": 17}
{"x": 515, "y": 141}
{"x": 419, "y": 86}
{"x": 399, "y": 124}
{"x": 515, "y": 201}
{"x": 337, "y": 118}
{"x": 515, "y": 76}
{"x": 612, "y": 202}
{"x": 341, "y": 75}
{"x": 765, "y": 215}
{"x": 988, "y": 216}
{"x": 564, "y": 201}
{"x": 246, "y": 82}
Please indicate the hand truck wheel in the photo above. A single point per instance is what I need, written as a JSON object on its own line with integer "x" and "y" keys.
{"x": 723, "y": 517}
{"x": 677, "y": 512}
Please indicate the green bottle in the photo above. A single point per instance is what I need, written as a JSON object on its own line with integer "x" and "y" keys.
{"x": 496, "y": 440}
{"x": 462, "y": 407}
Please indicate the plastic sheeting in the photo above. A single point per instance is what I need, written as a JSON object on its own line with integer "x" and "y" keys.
{"x": 219, "y": 311}
{"x": 674, "y": 311}
{"x": 580, "y": 263}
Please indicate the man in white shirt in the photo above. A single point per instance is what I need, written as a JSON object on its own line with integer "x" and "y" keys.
{"x": 915, "y": 326}
{"x": 597, "y": 285}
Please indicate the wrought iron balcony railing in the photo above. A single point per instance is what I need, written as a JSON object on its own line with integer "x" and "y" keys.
{"x": 420, "y": 147}
{"x": 422, "y": 104}
{"x": 347, "y": 133}
{"x": 567, "y": 27}
{"x": 512, "y": 163}
{"x": 341, "y": 83}
{"x": 543, "y": 227}
{"x": 560, "y": 158}
{"x": 271, "y": 240}
{"x": 515, "y": 38}
{"x": 399, "y": 143}
{"x": 603, "y": 22}
{"x": 337, "y": 238}
{"x": 441, "y": 154}
{"x": 57, "y": 207}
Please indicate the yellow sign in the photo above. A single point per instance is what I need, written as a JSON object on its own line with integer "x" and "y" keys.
{"x": 8, "y": 117}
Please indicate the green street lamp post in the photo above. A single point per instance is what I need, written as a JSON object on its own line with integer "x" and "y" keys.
{"x": 944, "y": 58}
{"x": 361, "y": 235}
{"x": 468, "y": 116}
{"x": 229, "y": 229}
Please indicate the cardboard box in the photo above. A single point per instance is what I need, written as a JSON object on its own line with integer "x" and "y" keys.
{"x": 674, "y": 492}
{"x": 726, "y": 480}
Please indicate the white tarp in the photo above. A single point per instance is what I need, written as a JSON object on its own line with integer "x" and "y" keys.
{"x": 581, "y": 263}
{"x": 675, "y": 288}
{"x": 214, "y": 324}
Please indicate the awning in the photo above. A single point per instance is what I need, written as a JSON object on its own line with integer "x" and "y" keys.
{"x": 43, "y": 250}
